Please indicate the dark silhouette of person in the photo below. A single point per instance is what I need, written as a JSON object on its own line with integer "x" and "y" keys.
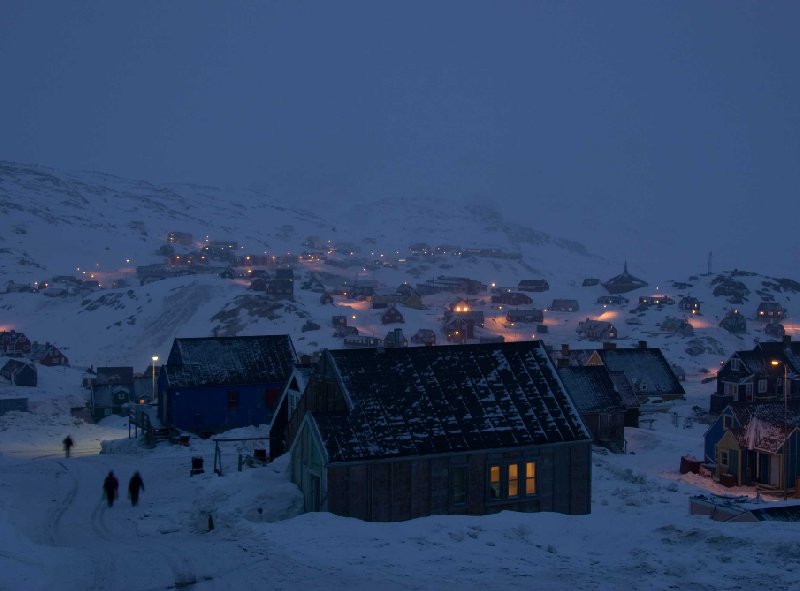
{"x": 68, "y": 443}
{"x": 110, "y": 488}
{"x": 134, "y": 486}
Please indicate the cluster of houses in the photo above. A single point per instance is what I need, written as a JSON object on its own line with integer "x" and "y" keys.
{"x": 20, "y": 369}
{"x": 392, "y": 432}
{"x": 755, "y": 438}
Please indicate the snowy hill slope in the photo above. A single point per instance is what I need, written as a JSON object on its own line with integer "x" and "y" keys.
{"x": 65, "y": 223}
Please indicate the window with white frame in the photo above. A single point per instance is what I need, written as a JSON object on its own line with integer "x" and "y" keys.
{"x": 731, "y": 389}
{"x": 762, "y": 386}
{"x": 736, "y": 364}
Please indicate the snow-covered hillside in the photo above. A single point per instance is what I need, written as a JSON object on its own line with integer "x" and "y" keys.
{"x": 54, "y": 530}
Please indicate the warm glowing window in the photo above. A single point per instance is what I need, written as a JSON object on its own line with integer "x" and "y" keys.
{"x": 494, "y": 482}
{"x": 513, "y": 480}
{"x": 530, "y": 478}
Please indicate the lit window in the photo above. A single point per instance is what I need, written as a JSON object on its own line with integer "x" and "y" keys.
{"x": 530, "y": 478}
{"x": 513, "y": 480}
{"x": 494, "y": 482}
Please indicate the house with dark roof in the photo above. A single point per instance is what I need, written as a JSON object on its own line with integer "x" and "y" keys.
{"x": 112, "y": 390}
{"x": 690, "y": 304}
{"x": 48, "y": 354}
{"x": 533, "y": 285}
{"x": 19, "y": 372}
{"x": 759, "y": 375}
{"x": 215, "y": 384}
{"x": 646, "y": 368}
{"x": 13, "y": 342}
{"x": 770, "y": 312}
{"x": 392, "y": 315}
{"x": 562, "y": 305}
{"x": 755, "y": 444}
{"x": 624, "y": 282}
{"x": 394, "y": 434}
{"x": 734, "y": 322}
{"x": 525, "y": 316}
{"x": 596, "y": 330}
{"x": 595, "y": 396}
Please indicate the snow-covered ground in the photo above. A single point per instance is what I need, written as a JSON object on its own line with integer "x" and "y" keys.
{"x": 57, "y": 532}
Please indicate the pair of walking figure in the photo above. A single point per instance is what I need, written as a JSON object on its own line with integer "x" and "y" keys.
{"x": 111, "y": 488}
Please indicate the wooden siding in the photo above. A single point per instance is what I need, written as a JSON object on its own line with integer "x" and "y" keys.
{"x": 408, "y": 488}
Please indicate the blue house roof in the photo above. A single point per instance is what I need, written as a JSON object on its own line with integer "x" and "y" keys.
{"x": 230, "y": 360}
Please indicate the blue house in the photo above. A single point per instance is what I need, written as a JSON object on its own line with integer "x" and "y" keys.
{"x": 215, "y": 384}
{"x": 755, "y": 444}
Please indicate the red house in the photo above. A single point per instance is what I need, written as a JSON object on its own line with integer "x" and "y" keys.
{"x": 14, "y": 343}
{"x": 48, "y": 354}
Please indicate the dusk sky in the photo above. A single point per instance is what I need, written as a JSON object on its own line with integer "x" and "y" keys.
{"x": 599, "y": 121}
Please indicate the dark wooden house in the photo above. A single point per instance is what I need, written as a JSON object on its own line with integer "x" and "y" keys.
{"x": 690, "y": 304}
{"x": 511, "y": 298}
{"x": 48, "y": 354}
{"x": 734, "y": 322}
{"x": 525, "y": 316}
{"x": 770, "y": 312}
{"x": 326, "y": 298}
{"x": 595, "y": 396}
{"x": 112, "y": 390}
{"x": 561, "y": 305}
{"x": 679, "y": 326}
{"x": 394, "y": 339}
{"x": 282, "y": 289}
{"x": 658, "y": 299}
{"x": 215, "y": 384}
{"x": 424, "y": 336}
{"x": 612, "y": 300}
{"x": 394, "y": 434}
{"x": 624, "y": 282}
{"x": 533, "y": 285}
{"x": 392, "y": 316}
{"x": 596, "y": 330}
{"x": 760, "y": 375}
{"x": 19, "y": 373}
{"x": 646, "y": 368}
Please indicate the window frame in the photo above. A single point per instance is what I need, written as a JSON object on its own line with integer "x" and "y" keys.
{"x": 736, "y": 364}
{"x": 233, "y": 400}
{"x": 463, "y": 470}
{"x": 508, "y": 482}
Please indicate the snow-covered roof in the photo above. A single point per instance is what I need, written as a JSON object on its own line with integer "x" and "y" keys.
{"x": 431, "y": 400}
{"x": 591, "y": 389}
{"x": 230, "y": 360}
{"x": 643, "y": 366}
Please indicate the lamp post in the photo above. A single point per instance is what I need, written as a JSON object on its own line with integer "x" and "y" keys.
{"x": 153, "y": 393}
{"x": 775, "y": 362}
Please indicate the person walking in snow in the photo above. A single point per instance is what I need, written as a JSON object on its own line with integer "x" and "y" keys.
{"x": 68, "y": 443}
{"x": 110, "y": 488}
{"x": 134, "y": 486}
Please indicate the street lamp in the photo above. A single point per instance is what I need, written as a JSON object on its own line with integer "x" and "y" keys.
{"x": 154, "y": 358}
{"x": 776, "y": 363}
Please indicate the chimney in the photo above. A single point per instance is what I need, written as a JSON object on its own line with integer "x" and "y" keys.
{"x": 565, "y": 350}
{"x": 562, "y": 362}
{"x": 643, "y": 344}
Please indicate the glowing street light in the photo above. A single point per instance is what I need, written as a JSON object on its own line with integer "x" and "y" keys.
{"x": 154, "y": 358}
